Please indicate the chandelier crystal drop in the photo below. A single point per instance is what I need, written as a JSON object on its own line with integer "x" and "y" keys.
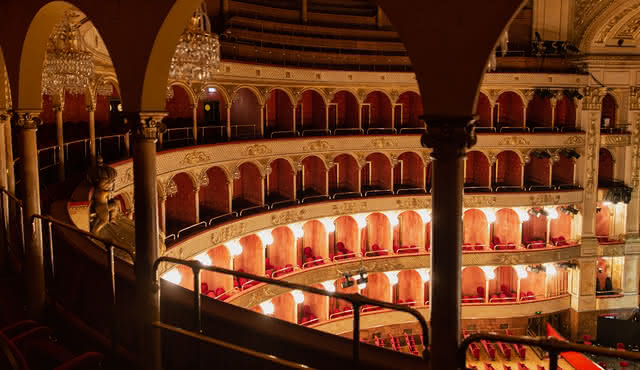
{"x": 197, "y": 55}
{"x": 67, "y": 67}
{"x": 104, "y": 88}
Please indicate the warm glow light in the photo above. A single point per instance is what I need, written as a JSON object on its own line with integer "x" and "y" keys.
{"x": 329, "y": 226}
{"x": 267, "y": 307}
{"x": 361, "y": 286}
{"x": 298, "y": 296}
{"x": 361, "y": 220}
{"x": 424, "y": 274}
{"x": 329, "y": 286}
{"x": 204, "y": 259}
{"x": 425, "y": 215}
{"x": 521, "y": 270}
{"x": 297, "y": 229}
{"x": 211, "y": 90}
{"x": 266, "y": 237}
{"x": 393, "y": 218}
{"x": 524, "y": 215}
{"x": 491, "y": 215}
{"x": 234, "y": 247}
{"x": 552, "y": 212}
{"x": 392, "y": 276}
{"x": 173, "y": 276}
{"x": 489, "y": 272}
{"x": 606, "y": 203}
{"x": 550, "y": 268}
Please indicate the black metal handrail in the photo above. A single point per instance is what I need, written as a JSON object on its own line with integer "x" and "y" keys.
{"x": 6, "y": 218}
{"x": 356, "y": 300}
{"x": 552, "y": 345}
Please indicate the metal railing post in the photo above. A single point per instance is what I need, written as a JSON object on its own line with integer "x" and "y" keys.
{"x": 114, "y": 324}
{"x": 356, "y": 336}
{"x": 197, "y": 299}
{"x": 553, "y": 360}
{"x": 52, "y": 284}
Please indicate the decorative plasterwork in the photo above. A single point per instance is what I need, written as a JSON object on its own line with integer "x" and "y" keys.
{"x": 256, "y": 150}
{"x": 514, "y": 141}
{"x": 613, "y": 21}
{"x": 287, "y": 217}
{"x": 544, "y": 199}
{"x": 615, "y": 140}
{"x": 478, "y": 201}
{"x": 318, "y": 146}
{"x": 195, "y": 157}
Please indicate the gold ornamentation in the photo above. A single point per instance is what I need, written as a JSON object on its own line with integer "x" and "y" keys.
{"x": 615, "y": 140}
{"x": 349, "y": 207}
{"x": 544, "y": 199}
{"x": 479, "y": 201}
{"x": 317, "y": 146}
{"x": 287, "y": 217}
{"x": 574, "y": 140}
{"x": 195, "y": 157}
{"x": 228, "y": 232}
{"x": 513, "y": 141}
{"x": 382, "y": 143}
{"x": 414, "y": 203}
{"x": 255, "y": 150}
{"x": 612, "y": 250}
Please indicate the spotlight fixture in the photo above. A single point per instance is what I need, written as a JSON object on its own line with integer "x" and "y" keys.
{"x": 348, "y": 281}
{"x": 570, "y": 209}
{"x": 569, "y": 153}
{"x": 538, "y": 211}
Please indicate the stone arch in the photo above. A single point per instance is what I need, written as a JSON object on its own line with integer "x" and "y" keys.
{"x": 411, "y": 110}
{"x": 190, "y": 93}
{"x": 510, "y": 112}
{"x": 279, "y": 106}
{"x": 215, "y": 198}
{"x": 284, "y": 90}
{"x": 477, "y": 169}
{"x": 315, "y": 89}
{"x": 347, "y": 105}
{"x": 220, "y": 89}
{"x": 380, "y": 111}
{"x": 483, "y": 109}
{"x": 257, "y": 164}
{"x": 251, "y": 88}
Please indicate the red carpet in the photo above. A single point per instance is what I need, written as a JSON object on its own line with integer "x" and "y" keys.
{"x": 575, "y": 359}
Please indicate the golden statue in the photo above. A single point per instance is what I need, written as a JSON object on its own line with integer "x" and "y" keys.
{"x": 102, "y": 178}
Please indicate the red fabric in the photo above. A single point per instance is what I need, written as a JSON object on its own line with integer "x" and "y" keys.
{"x": 575, "y": 359}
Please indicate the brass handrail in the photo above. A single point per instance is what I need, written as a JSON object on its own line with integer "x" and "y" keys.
{"x": 356, "y": 300}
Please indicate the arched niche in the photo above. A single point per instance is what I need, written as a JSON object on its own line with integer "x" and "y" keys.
{"x": 282, "y": 252}
{"x": 179, "y": 108}
{"x": 343, "y": 176}
{"x": 248, "y": 189}
{"x": 346, "y": 233}
{"x": 313, "y": 179}
{"x": 605, "y": 168}
{"x": 376, "y": 111}
{"x": 534, "y": 231}
{"x": 483, "y": 110}
{"x": 346, "y": 111}
{"x": 410, "y": 110}
{"x": 409, "y": 172}
{"x": 215, "y": 198}
{"x": 476, "y": 228}
{"x": 181, "y": 207}
{"x": 533, "y": 284}
{"x": 561, "y": 228}
{"x": 377, "y": 233}
{"x": 279, "y": 113}
{"x": 507, "y": 171}
{"x": 218, "y": 283}
{"x": 473, "y": 285}
{"x": 251, "y": 260}
{"x": 603, "y": 221}
{"x": 537, "y": 172}
{"x": 503, "y": 287}
{"x": 506, "y": 228}
{"x": 376, "y": 173}
{"x": 212, "y": 113}
{"x": 563, "y": 171}
{"x": 609, "y": 110}
{"x": 285, "y": 308}
{"x": 411, "y": 231}
{"x": 510, "y": 110}
{"x": 477, "y": 170}
{"x": 281, "y": 181}
{"x": 246, "y": 114}
{"x": 315, "y": 244}
{"x": 565, "y": 113}
{"x": 314, "y": 309}
{"x": 378, "y": 288}
{"x": 311, "y": 112}
{"x": 539, "y": 111}
{"x": 410, "y": 287}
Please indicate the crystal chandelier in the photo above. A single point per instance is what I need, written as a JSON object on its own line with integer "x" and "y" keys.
{"x": 67, "y": 67}
{"x": 197, "y": 55}
{"x": 104, "y": 88}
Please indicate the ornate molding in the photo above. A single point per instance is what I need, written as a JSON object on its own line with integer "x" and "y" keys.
{"x": 227, "y": 232}
{"x": 149, "y": 126}
{"x": 544, "y": 199}
{"x": 574, "y": 140}
{"x": 318, "y": 146}
{"x": 349, "y": 207}
{"x": 479, "y": 201}
{"x": 414, "y": 203}
{"x": 514, "y": 141}
{"x": 26, "y": 120}
{"x": 195, "y": 157}
{"x": 287, "y": 217}
{"x": 256, "y": 150}
{"x": 382, "y": 143}
{"x": 615, "y": 140}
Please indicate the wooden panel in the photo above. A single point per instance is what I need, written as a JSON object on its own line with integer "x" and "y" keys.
{"x": 283, "y": 249}
{"x": 561, "y": 226}
{"x": 507, "y": 226}
{"x": 472, "y": 278}
{"x": 315, "y": 237}
{"x": 378, "y": 287}
{"x": 214, "y": 198}
{"x": 476, "y": 227}
{"x": 379, "y": 231}
{"x": 347, "y": 232}
{"x": 380, "y": 170}
{"x": 603, "y": 220}
{"x": 251, "y": 259}
{"x": 219, "y": 257}
{"x": 411, "y": 229}
{"x": 410, "y": 287}
{"x": 285, "y": 308}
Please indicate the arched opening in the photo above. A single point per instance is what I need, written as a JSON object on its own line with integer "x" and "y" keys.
{"x": 476, "y": 174}
{"x": 376, "y": 113}
{"x": 338, "y": 307}
{"x": 605, "y": 168}
{"x": 248, "y": 188}
{"x": 109, "y": 122}
{"x": 502, "y": 289}
{"x": 181, "y": 206}
{"x": 537, "y": 173}
{"x": 507, "y": 172}
{"x": 246, "y": 115}
{"x": 609, "y": 276}
{"x": 378, "y": 288}
{"x": 534, "y": 230}
{"x": 409, "y": 111}
{"x": 510, "y": 110}
{"x": 345, "y": 119}
{"x": 285, "y": 308}
{"x": 217, "y": 285}
{"x": 280, "y": 183}
{"x": 563, "y": 170}
{"x": 410, "y": 233}
{"x": 315, "y": 244}
{"x": 314, "y": 309}
{"x": 483, "y": 110}
{"x": 565, "y": 119}
{"x": 506, "y": 230}
{"x": 375, "y": 175}
{"x": 311, "y": 114}
{"x": 377, "y": 237}
{"x": 475, "y": 231}
{"x": 251, "y": 260}
{"x": 533, "y": 286}
{"x": 347, "y": 239}
{"x": 603, "y": 222}
{"x": 179, "y": 119}
{"x": 279, "y": 115}
{"x": 473, "y": 285}
{"x": 561, "y": 228}
{"x": 408, "y": 174}
{"x": 313, "y": 178}
{"x": 281, "y": 254}
{"x": 343, "y": 176}
{"x": 608, "y": 114}
{"x": 410, "y": 288}
{"x": 214, "y": 197}
{"x": 539, "y": 112}
{"x": 212, "y": 115}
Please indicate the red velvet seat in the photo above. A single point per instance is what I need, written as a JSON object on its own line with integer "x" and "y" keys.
{"x": 620, "y": 346}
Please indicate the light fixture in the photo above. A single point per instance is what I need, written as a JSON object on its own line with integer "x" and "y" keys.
{"x": 552, "y": 212}
{"x": 197, "y": 54}
{"x": 490, "y": 214}
{"x": 234, "y": 247}
{"x": 521, "y": 270}
{"x": 348, "y": 281}
{"x": 267, "y": 307}
{"x": 211, "y": 90}
{"x": 173, "y": 276}
{"x": 329, "y": 286}
{"x": 550, "y": 268}
{"x": 489, "y": 272}
{"x": 266, "y": 237}
{"x": 67, "y": 67}
{"x": 204, "y": 259}
{"x": 329, "y": 226}
{"x": 424, "y": 273}
{"x": 392, "y": 276}
{"x": 298, "y": 296}
{"x": 607, "y": 203}
{"x": 361, "y": 220}
{"x": 524, "y": 215}
{"x": 103, "y": 88}
{"x": 424, "y": 215}
{"x": 297, "y": 229}
{"x": 393, "y": 218}
{"x": 363, "y": 279}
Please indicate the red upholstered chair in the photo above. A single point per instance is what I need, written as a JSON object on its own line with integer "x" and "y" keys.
{"x": 308, "y": 252}
{"x": 620, "y": 346}
{"x": 493, "y": 298}
{"x": 480, "y": 291}
{"x": 219, "y": 291}
{"x": 204, "y": 288}
{"x": 624, "y": 364}
{"x": 340, "y": 246}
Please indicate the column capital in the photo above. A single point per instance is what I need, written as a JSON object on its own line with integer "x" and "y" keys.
{"x": 57, "y": 107}
{"x": 91, "y": 107}
{"x": 447, "y": 134}
{"x": 27, "y": 120}
{"x": 148, "y": 125}
{"x": 4, "y": 117}
{"x": 592, "y": 98}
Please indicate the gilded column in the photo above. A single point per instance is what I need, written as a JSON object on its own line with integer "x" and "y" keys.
{"x": 229, "y": 122}
{"x": 632, "y": 177}
{"x": 261, "y": 128}
{"x": 196, "y": 197}
{"x": 27, "y": 124}
{"x": 194, "y": 109}
{"x": 60, "y": 139}
{"x": 92, "y": 134}
{"x": 449, "y": 137}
